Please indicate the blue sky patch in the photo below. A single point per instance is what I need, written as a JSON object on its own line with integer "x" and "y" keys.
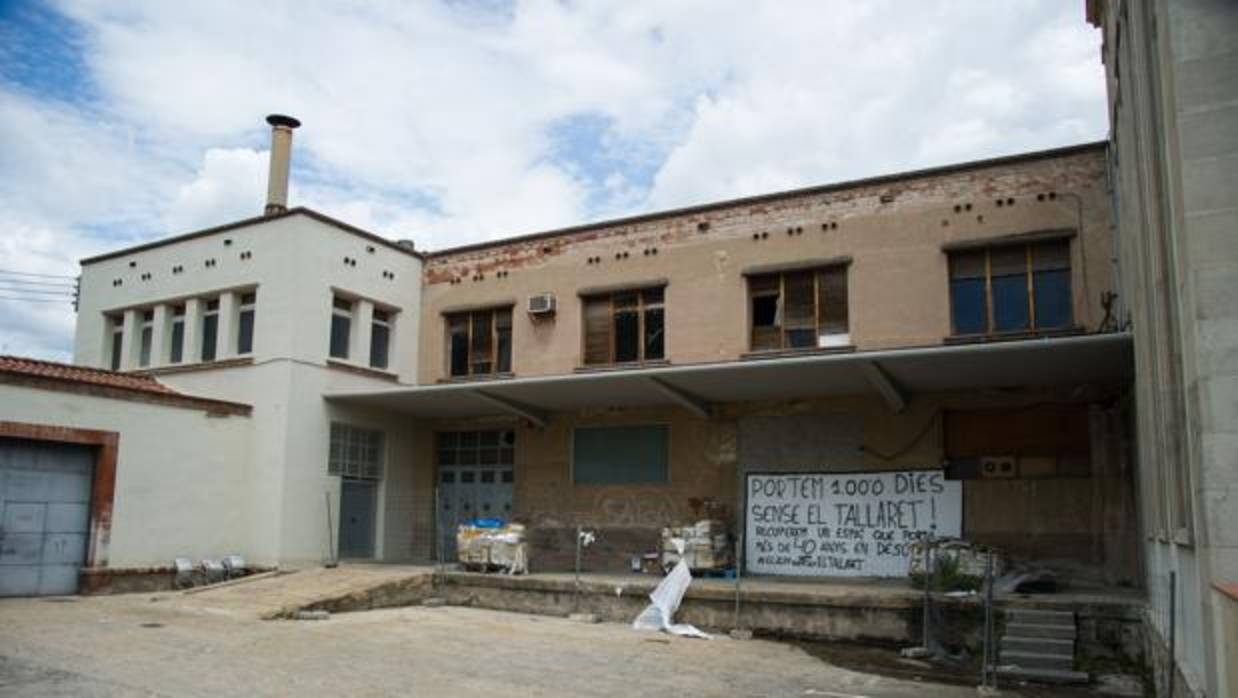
{"x": 42, "y": 51}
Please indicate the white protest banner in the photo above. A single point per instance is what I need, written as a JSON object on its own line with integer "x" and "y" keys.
{"x": 855, "y": 524}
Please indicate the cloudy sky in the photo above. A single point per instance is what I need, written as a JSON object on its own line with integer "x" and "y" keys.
{"x": 453, "y": 122}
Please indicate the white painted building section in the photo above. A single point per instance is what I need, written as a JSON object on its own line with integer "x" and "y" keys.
{"x": 298, "y": 266}
{"x": 178, "y": 475}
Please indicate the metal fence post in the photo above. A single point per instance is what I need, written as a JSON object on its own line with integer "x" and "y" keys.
{"x": 928, "y": 580}
{"x": 739, "y": 573}
{"x": 1173, "y": 626}
{"x": 576, "y": 595}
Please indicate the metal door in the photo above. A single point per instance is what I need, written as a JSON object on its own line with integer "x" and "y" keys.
{"x": 475, "y": 476}
{"x": 358, "y": 500}
{"x": 44, "y": 516}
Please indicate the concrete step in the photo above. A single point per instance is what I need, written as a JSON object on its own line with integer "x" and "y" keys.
{"x": 1034, "y": 617}
{"x": 1042, "y": 645}
{"x": 1037, "y": 660}
{"x": 1057, "y": 632}
{"x": 1043, "y": 675}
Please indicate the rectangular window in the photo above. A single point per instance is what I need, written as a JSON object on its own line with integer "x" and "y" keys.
{"x": 148, "y": 336}
{"x": 479, "y": 343}
{"x": 1013, "y": 288}
{"x": 177, "y": 350}
{"x": 380, "y": 338}
{"x": 621, "y": 455}
{"x": 210, "y": 329}
{"x": 355, "y": 453}
{"x": 495, "y": 448}
{"x": 116, "y": 325}
{"x": 245, "y": 324}
{"x": 625, "y": 327}
{"x": 341, "y": 327}
{"x": 799, "y": 310}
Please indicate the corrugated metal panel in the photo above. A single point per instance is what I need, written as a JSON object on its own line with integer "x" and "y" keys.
{"x": 44, "y": 516}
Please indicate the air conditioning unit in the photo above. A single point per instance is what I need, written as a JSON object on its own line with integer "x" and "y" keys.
{"x": 997, "y": 467}
{"x": 542, "y": 304}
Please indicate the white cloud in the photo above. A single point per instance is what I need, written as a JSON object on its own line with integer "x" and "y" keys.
{"x": 229, "y": 186}
{"x": 437, "y": 121}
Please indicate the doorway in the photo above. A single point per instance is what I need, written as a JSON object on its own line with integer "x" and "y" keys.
{"x": 358, "y": 502}
{"x": 475, "y": 480}
{"x": 45, "y": 492}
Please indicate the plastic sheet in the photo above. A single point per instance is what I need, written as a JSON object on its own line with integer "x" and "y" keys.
{"x": 660, "y": 614}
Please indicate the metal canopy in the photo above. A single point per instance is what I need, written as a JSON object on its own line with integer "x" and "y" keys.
{"x": 896, "y": 375}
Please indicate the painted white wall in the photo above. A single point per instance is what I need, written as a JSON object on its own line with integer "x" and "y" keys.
{"x": 178, "y": 473}
{"x": 296, "y": 264}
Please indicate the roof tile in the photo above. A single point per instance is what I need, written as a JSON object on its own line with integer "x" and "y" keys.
{"x": 81, "y": 374}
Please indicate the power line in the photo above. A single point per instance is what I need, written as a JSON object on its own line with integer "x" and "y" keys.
{"x": 39, "y": 291}
{"x": 66, "y": 301}
{"x": 27, "y": 282}
{"x": 45, "y": 276}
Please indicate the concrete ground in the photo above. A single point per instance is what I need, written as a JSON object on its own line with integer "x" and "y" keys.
{"x": 171, "y": 644}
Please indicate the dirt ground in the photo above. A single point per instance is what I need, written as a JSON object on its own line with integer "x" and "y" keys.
{"x": 156, "y": 645}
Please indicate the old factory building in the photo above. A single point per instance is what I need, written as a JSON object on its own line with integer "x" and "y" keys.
{"x": 623, "y": 376}
{"x": 1033, "y": 353}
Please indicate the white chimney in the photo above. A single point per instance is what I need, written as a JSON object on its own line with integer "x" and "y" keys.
{"x": 281, "y": 158}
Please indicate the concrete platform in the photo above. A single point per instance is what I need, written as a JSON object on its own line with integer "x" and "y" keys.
{"x": 874, "y": 612}
{"x": 350, "y": 587}
{"x": 883, "y": 612}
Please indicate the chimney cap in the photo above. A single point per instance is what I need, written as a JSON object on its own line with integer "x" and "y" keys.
{"x": 282, "y": 120}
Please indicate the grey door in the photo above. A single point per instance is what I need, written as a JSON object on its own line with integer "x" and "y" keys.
{"x": 44, "y": 516}
{"x": 475, "y": 477}
{"x": 358, "y": 499}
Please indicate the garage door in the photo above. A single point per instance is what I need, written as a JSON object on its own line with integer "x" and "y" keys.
{"x": 44, "y": 516}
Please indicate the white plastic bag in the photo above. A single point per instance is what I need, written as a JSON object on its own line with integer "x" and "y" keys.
{"x": 666, "y": 599}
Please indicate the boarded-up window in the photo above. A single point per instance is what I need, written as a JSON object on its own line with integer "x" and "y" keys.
{"x": 799, "y": 310}
{"x": 479, "y": 342}
{"x": 625, "y": 327}
{"x": 1046, "y": 440}
{"x": 621, "y": 455}
{"x": 1013, "y": 288}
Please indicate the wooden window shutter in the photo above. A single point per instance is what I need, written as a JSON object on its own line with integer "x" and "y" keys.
{"x": 597, "y": 330}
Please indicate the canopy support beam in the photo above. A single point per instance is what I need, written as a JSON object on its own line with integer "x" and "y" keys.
{"x": 894, "y": 396}
{"x": 533, "y": 414}
{"x": 693, "y": 403}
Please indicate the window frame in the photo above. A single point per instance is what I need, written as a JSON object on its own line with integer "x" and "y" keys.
{"x": 210, "y": 310}
{"x": 339, "y": 467}
{"x": 116, "y": 341}
{"x": 176, "y": 326}
{"x": 468, "y": 316}
{"x": 247, "y": 303}
{"x": 384, "y": 318}
{"x": 819, "y": 326}
{"x": 642, "y": 308}
{"x": 146, "y": 337}
{"x": 1029, "y": 276}
{"x": 346, "y": 314}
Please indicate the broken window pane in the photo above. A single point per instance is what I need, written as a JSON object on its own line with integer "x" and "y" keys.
{"x": 480, "y": 344}
{"x": 654, "y": 343}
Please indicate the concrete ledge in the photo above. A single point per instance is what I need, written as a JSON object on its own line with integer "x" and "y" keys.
{"x": 881, "y": 613}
